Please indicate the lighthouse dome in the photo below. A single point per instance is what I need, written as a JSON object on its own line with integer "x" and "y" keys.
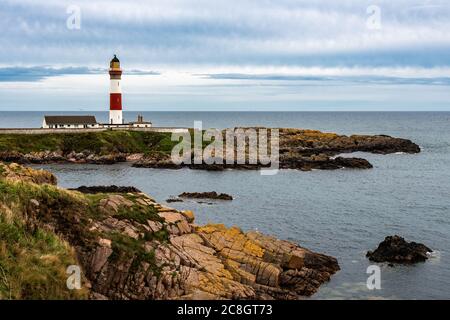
{"x": 115, "y": 63}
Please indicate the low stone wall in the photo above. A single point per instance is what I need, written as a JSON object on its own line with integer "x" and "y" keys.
{"x": 56, "y": 131}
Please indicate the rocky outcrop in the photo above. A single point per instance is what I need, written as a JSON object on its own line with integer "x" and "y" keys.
{"x": 299, "y": 149}
{"x": 174, "y": 199}
{"x": 131, "y": 247}
{"x": 45, "y": 157}
{"x": 206, "y": 195}
{"x": 309, "y": 142}
{"x": 172, "y": 259}
{"x": 395, "y": 249}
{"x": 17, "y": 172}
{"x": 106, "y": 189}
{"x": 303, "y": 150}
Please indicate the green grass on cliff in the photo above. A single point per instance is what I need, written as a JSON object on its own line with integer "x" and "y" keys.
{"x": 33, "y": 261}
{"x": 33, "y": 256}
{"x": 33, "y": 264}
{"x": 104, "y": 142}
{"x": 129, "y": 249}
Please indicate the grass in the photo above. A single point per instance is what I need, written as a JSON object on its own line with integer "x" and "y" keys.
{"x": 33, "y": 263}
{"x": 138, "y": 213}
{"x": 101, "y": 143}
{"x": 161, "y": 235}
{"x": 33, "y": 260}
{"x": 126, "y": 248}
{"x": 104, "y": 142}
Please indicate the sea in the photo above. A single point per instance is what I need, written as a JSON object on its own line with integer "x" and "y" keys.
{"x": 342, "y": 213}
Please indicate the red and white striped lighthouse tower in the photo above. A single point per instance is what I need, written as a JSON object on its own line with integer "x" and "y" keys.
{"x": 115, "y": 97}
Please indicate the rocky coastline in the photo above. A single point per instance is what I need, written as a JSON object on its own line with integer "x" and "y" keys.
{"x": 299, "y": 149}
{"x": 131, "y": 247}
{"x": 304, "y": 150}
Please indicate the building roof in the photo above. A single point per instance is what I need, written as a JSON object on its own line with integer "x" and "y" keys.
{"x": 70, "y": 120}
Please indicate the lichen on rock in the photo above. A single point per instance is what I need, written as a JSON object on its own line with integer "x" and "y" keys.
{"x": 131, "y": 247}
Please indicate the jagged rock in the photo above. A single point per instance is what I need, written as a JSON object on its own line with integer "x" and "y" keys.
{"x": 395, "y": 249}
{"x": 17, "y": 172}
{"x": 100, "y": 257}
{"x": 299, "y": 149}
{"x": 43, "y": 157}
{"x": 189, "y": 215}
{"x": 304, "y": 150}
{"x": 130, "y": 247}
{"x": 113, "y": 202}
{"x": 107, "y": 159}
{"x": 356, "y": 163}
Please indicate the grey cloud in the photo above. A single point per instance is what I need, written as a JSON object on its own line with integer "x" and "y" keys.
{"x": 37, "y": 73}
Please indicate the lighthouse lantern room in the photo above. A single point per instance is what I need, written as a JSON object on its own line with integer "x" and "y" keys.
{"x": 115, "y": 97}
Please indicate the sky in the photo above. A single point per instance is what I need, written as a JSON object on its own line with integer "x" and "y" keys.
{"x": 249, "y": 55}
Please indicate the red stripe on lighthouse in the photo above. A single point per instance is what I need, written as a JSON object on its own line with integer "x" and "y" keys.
{"x": 115, "y": 101}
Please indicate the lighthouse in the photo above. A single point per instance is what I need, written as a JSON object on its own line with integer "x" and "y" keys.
{"x": 115, "y": 96}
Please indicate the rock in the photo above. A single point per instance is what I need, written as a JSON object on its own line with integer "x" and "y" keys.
{"x": 158, "y": 160}
{"x": 356, "y": 163}
{"x": 105, "y": 243}
{"x": 304, "y": 150}
{"x": 206, "y": 195}
{"x": 108, "y": 159}
{"x": 35, "y": 203}
{"x": 16, "y": 172}
{"x": 172, "y": 217}
{"x": 171, "y": 200}
{"x": 189, "y": 215}
{"x": 134, "y": 157}
{"x": 258, "y": 257}
{"x": 395, "y": 249}
{"x": 113, "y": 202}
{"x": 155, "y": 226}
{"x": 299, "y": 149}
{"x": 106, "y": 189}
{"x": 99, "y": 258}
{"x": 129, "y": 251}
{"x": 97, "y": 296}
{"x": 12, "y": 156}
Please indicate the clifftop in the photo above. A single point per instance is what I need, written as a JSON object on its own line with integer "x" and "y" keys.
{"x": 130, "y": 247}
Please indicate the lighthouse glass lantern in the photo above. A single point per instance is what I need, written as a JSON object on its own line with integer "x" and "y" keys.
{"x": 115, "y": 97}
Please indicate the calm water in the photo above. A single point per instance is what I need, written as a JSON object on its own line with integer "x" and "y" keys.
{"x": 342, "y": 213}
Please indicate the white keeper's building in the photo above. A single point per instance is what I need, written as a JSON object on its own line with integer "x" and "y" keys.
{"x": 115, "y": 119}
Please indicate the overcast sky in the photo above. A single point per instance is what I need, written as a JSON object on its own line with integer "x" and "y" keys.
{"x": 227, "y": 54}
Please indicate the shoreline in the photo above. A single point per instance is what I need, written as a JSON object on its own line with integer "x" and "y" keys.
{"x": 300, "y": 149}
{"x": 131, "y": 247}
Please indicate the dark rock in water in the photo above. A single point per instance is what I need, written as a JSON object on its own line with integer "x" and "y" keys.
{"x": 395, "y": 249}
{"x": 106, "y": 189}
{"x": 356, "y": 163}
{"x": 170, "y": 200}
{"x": 206, "y": 195}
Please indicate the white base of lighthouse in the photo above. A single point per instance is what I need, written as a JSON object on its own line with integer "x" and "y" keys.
{"x": 115, "y": 117}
